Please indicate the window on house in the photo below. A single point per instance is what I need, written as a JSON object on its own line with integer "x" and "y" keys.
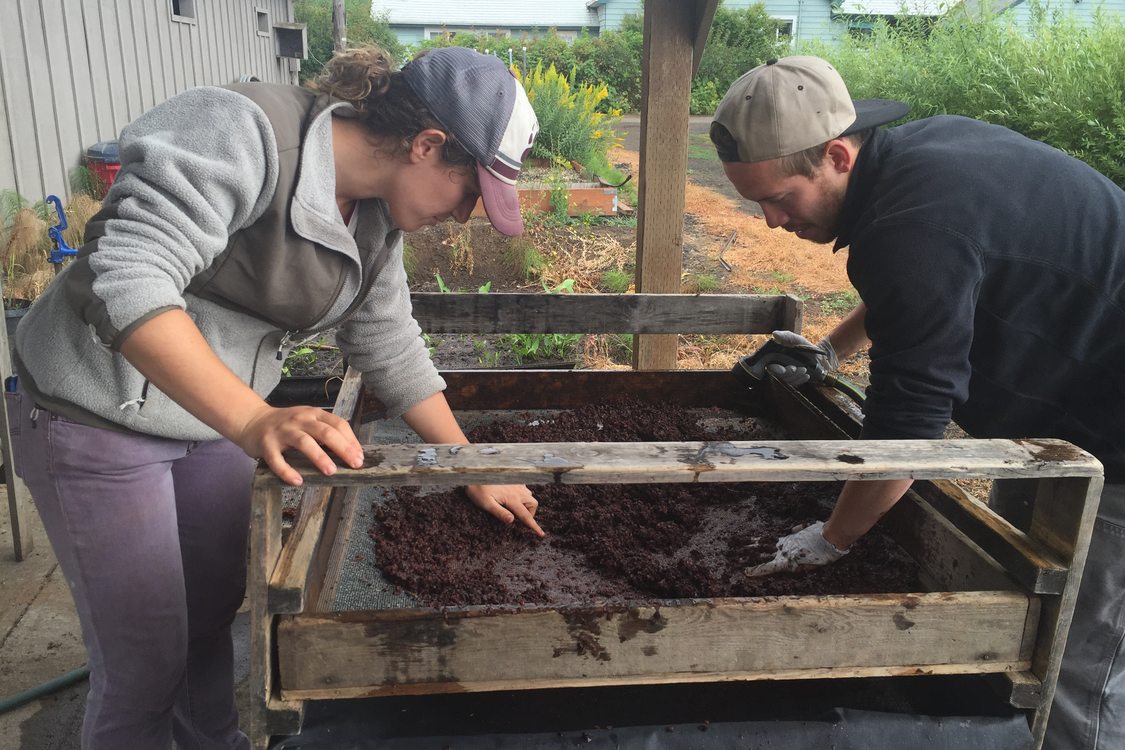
{"x": 183, "y": 10}
{"x": 786, "y": 28}
{"x": 263, "y": 17}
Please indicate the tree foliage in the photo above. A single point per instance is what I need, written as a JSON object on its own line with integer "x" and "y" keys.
{"x": 362, "y": 28}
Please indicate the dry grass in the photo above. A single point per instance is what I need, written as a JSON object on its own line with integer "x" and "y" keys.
{"x": 573, "y": 255}
{"x": 25, "y": 246}
{"x": 24, "y": 255}
{"x": 460, "y": 242}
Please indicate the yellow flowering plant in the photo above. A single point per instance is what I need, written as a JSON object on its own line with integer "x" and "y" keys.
{"x": 573, "y": 124}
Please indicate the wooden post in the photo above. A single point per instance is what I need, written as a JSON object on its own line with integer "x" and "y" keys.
{"x": 339, "y": 26}
{"x": 19, "y": 499}
{"x": 1063, "y": 520}
{"x": 268, "y": 714}
{"x": 670, "y": 30}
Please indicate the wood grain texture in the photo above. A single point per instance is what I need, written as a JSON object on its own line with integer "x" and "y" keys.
{"x": 670, "y": 31}
{"x": 291, "y": 577}
{"x": 269, "y": 714}
{"x": 740, "y": 461}
{"x": 1035, "y": 565}
{"x": 603, "y": 313}
{"x": 976, "y": 631}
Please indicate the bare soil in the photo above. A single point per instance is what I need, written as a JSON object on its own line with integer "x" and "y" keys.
{"x": 622, "y": 543}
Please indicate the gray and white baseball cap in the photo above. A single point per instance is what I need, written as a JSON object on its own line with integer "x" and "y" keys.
{"x": 786, "y": 106}
{"x": 477, "y": 99}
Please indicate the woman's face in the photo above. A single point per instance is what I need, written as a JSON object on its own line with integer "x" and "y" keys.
{"x": 430, "y": 191}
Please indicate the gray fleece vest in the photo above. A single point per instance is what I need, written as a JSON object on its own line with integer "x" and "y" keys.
{"x": 268, "y": 271}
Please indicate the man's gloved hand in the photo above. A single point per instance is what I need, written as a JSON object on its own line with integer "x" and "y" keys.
{"x": 796, "y": 375}
{"x": 805, "y": 547}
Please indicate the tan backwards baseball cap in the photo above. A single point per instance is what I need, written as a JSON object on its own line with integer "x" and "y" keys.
{"x": 788, "y": 105}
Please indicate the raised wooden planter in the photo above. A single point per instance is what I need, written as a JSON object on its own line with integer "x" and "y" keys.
{"x": 582, "y": 198}
{"x": 996, "y": 600}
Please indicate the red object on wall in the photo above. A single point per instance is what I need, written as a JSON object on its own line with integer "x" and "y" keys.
{"x": 105, "y": 173}
{"x": 103, "y": 161}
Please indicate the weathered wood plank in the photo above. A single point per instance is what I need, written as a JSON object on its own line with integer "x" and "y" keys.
{"x": 773, "y": 675}
{"x": 670, "y": 28}
{"x": 358, "y": 651}
{"x": 291, "y": 576}
{"x": 739, "y": 461}
{"x": 1063, "y": 519}
{"x": 572, "y": 389}
{"x": 603, "y": 313}
{"x": 268, "y": 713}
{"x": 1033, "y": 564}
{"x": 948, "y": 559}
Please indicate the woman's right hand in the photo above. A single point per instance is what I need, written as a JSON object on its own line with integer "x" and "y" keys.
{"x": 271, "y": 431}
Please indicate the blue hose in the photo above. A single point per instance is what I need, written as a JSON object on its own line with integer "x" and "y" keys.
{"x": 48, "y": 687}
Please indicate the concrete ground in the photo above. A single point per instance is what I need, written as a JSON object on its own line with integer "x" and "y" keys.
{"x": 40, "y": 639}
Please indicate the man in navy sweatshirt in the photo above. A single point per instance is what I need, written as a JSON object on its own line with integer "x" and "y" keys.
{"x": 991, "y": 270}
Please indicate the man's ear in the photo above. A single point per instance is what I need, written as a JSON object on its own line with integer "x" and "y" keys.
{"x": 841, "y": 155}
{"x": 427, "y": 144}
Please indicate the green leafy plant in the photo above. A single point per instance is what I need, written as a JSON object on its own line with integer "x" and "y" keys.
{"x": 441, "y": 284}
{"x": 364, "y": 27}
{"x": 703, "y": 283}
{"x": 300, "y": 358}
{"x": 544, "y": 345}
{"x": 615, "y": 281}
{"x": 524, "y": 258}
{"x": 839, "y": 303}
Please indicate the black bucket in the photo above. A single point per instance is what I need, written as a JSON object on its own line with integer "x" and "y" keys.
{"x": 14, "y": 310}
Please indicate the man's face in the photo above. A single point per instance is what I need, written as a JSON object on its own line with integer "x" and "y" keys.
{"x": 808, "y": 207}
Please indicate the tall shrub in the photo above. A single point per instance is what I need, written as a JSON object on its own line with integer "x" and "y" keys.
{"x": 1057, "y": 80}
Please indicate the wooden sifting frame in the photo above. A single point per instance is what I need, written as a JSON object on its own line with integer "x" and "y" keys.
{"x": 999, "y": 603}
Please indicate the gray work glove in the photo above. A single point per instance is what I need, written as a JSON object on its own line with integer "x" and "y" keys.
{"x": 805, "y": 547}
{"x": 796, "y": 375}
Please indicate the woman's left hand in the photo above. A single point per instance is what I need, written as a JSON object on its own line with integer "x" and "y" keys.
{"x": 507, "y": 502}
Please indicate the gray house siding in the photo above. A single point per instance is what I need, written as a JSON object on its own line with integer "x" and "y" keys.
{"x": 74, "y": 72}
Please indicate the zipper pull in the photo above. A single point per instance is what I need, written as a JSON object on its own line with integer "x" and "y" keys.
{"x": 281, "y": 347}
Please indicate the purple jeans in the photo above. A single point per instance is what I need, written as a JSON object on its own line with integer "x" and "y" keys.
{"x": 151, "y": 535}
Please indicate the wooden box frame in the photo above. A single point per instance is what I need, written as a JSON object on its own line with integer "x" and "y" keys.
{"x": 1000, "y": 601}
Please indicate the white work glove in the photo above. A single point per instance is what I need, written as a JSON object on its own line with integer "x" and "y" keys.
{"x": 805, "y": 547}
{"x": 795, "y": 375}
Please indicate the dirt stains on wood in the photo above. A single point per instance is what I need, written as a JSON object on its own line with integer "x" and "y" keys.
{"x": 848, "y": 458}
{"x": 585, "y": 629}
{"x": 902, "y": 622}
{"x": 632, "y": 622}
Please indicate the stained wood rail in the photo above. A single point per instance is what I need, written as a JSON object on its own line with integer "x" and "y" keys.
{"x": 738, "y": 461}
{"x": 347, "y": 656}
{"x": 605, "y": 313}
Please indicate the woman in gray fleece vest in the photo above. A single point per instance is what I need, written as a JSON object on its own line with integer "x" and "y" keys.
{"x": 243, "y": 218}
